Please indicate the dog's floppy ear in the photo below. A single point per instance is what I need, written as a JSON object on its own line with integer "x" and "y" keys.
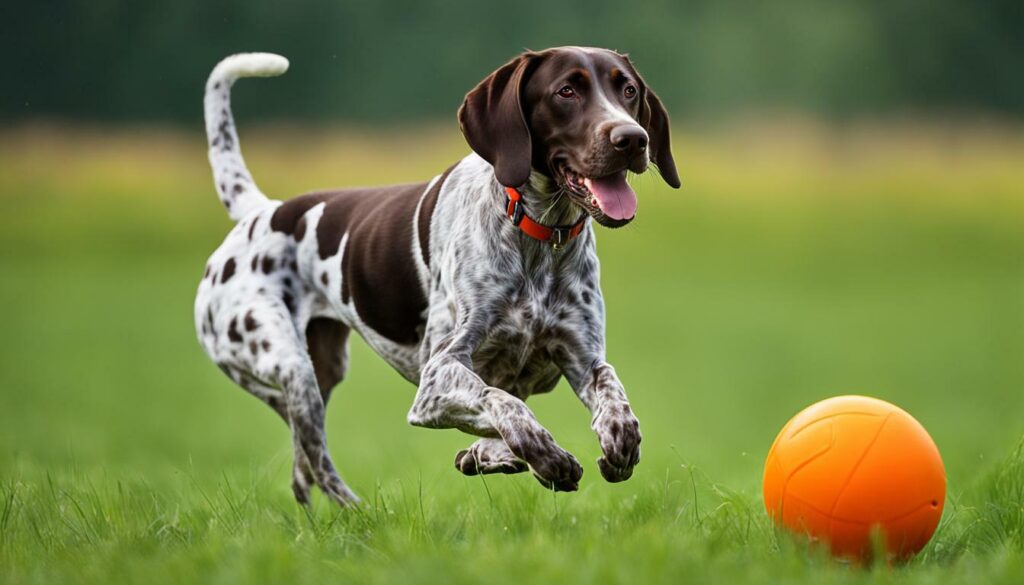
{"x": 492, "y": 120}
{"x": 654, "y": 119}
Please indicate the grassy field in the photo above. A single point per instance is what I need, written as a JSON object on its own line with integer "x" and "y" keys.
{"x": 798, "y": 262}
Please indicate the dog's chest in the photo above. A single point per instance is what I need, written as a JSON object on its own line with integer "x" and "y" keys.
{"x": 518, "y": 352}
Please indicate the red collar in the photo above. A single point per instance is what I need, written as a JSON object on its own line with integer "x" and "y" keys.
{"x": 558, "y": 235}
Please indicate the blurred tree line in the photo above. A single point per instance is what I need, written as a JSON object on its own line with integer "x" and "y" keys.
{"x": 366, "y": 60}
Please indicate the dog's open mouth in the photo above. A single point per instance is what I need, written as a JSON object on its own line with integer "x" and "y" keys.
{"x": 608, "y": 199}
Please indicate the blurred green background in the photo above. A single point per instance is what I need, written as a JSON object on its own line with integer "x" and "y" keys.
{"x": 851, "y": 221}
{"x": 401, "y": 60}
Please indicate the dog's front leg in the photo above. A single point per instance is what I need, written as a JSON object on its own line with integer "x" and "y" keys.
{"x": 617, "y": 428}
{"x": 451, "y": 395}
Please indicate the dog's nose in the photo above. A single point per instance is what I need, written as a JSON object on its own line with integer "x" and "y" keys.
{"x": 629, "y": 138}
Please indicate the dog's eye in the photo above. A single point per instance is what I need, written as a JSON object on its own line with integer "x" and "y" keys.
{"x": 567, "y": 92}
{"x": 630, "y": 91}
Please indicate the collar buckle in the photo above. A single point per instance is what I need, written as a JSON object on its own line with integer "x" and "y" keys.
{"x": 559, "y": 237}
{"x": 516, "y": 212}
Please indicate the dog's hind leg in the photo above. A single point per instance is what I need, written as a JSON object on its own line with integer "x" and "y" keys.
{"x": 306, "y": 414}
{"x": 327, "y": 342}
{"x": 302, "y": 474}
{"x": 277, "y": 359}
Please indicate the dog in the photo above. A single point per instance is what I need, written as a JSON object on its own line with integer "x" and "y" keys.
{"x": 479, "y": 286}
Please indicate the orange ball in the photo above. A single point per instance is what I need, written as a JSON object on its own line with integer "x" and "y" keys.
{"x": 846, "y": 465}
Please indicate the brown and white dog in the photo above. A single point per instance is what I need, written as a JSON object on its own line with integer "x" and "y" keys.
{"x": 480, "y": 286}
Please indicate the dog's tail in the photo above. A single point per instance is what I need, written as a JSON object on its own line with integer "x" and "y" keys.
{"x": 237, "y": 190}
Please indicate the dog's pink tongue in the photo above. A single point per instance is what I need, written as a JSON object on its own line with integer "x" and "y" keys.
{"x": 614, "y": 195}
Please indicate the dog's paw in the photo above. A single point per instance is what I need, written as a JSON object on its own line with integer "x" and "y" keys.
{"x": 554, "y": 467}
{"x": 559, "y": 471}
{"x": 618, "y": 430}
{"x": 488, "y": 456}
{"x": 338, "y": 492}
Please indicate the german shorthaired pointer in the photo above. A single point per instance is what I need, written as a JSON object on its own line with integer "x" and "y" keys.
{"x": 479, "y": 286}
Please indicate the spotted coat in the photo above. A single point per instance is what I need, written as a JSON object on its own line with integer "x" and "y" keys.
{"x": 437, "y": 281}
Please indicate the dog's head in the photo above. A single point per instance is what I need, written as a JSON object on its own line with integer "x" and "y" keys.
{"x": 580, "y": 116}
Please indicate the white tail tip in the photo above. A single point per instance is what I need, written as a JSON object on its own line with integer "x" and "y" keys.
{"x": 249, "y": 65}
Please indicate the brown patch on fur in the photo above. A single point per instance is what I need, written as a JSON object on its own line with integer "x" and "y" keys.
{"x": 229, "y": 270}
{"x": 427, "y": 213}
{"x": 378, "y": 272}
{"x": 250, "y": 322}
{"x": 325, "y": 340}
{"x": 288, "y": 214}
{"x": 233, "y": 333}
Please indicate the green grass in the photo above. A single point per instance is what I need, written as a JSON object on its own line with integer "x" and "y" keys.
{"x": 791, "y": 267}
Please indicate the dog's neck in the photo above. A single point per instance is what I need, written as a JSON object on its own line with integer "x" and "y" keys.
{"x": 547, "y": 204}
